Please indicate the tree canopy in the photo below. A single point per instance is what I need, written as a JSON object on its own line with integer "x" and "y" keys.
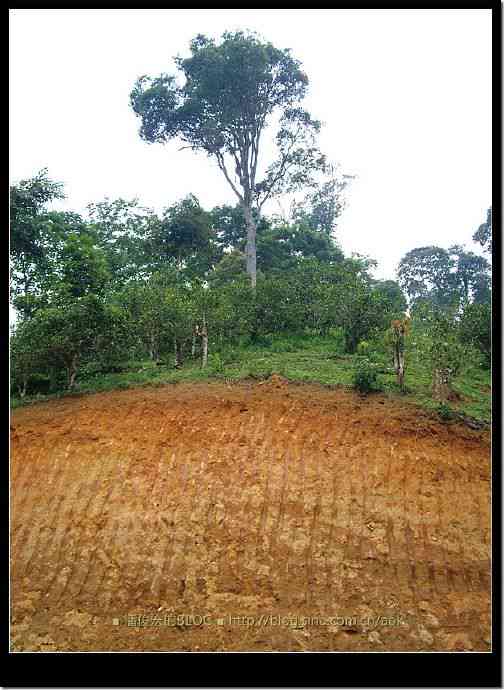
{"x": 445, "y": 277}
{"x": 229, "y": 94}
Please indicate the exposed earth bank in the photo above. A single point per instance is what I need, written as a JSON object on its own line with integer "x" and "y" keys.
{"x": 251, "y": 517}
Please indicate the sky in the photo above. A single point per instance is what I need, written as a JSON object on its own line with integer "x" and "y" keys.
{"x": 404, "y": 97}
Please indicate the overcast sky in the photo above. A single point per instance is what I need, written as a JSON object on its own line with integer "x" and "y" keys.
{"x": 404, "y": 95}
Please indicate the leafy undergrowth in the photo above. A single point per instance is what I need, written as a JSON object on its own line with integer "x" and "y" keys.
{"x": 302, "y": 359}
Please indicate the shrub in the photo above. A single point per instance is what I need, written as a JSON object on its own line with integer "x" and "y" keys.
{"x": 39, "y": 383}
{"x": 445, "y": 412}
{"x": 260, "y": 341}
{"x": 363, "y": 348}
{"x": 442, "y": 350}
{"x": 365, "y": 377}
{"x": 338, "y": 335}
{"x": 282, "y": 346}
{"x": 216, "y": 364}
{"x": 229, "y": 355}
{"x": 476, "y": 328}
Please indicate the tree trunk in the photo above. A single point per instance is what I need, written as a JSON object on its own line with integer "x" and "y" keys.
{"x": 351, "y": 342}
{"x": 176, "y": 351}
{"x": 54, "y": 379}
{"x": 441, "y": 384}
{"x": 399, "y": 364}
{"x": 250, "y": 247}
{"x": 72, "y": 373}
{"x": 22, "y": 389}
{"x": 400, "y": 375}
{"x": 204, "y": 343}
{"x": 153, "y": 349}
{"x": 193, "y": 347}
{"x": 399, "y": 329}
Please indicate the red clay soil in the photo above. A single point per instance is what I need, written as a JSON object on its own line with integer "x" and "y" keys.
{"x": 250, "y": 517}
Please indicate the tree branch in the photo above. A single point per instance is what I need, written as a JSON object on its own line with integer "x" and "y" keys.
{"x": 281, "y": 170}
{"x": 222, "y": 166}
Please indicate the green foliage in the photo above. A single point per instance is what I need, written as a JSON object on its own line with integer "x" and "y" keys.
{"x": 84, "y": 267}
{"x": 230, "y": 228}
{"x": 28, "y": 200}
{"x": 436, "y": 340}
{"x": 361, "y": 310}
{"x": 476, "y": 328}
{"x": 25, "y": 356}
{"x": 28, "y": 239}
{"x": 303, "y": 357}
{"x": 125, "y": 285}
{"x": 426, "y": 274}
{"x": 282, "y": 346}
{"x": 323, "y": 205}
{"x": 229, "y": 93}
{"x": 157, "y": 314}
{"x": 363, "y": 348}
{"x": 184, "y": 236}
{"x": 483, "y": 234}
{"x": 283, "y": 247}
{"x": 124, "y": 230}
{"x": 222, "y": 82}
{"x": 230, "y": 269}
{"x": 216, "y": 364}
{"x": 445, "y": 412}
{"x": 60, "y": 338}
{"x": 393, "y": 298}
{"x": 444, "y": 278}
{"x": 444, "y": 349}
{"x": 365, "y": 376}
{"x": 472, "y": 273}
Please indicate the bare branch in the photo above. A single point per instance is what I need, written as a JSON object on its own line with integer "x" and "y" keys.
{"x": 222, "y": 166}
{"x": 281, "y": 171}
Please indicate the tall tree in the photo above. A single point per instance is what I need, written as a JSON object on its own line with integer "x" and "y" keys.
{"x": 428, "y": 274}
{"x": 230, "y": 229}
{"x": 230, "y": 93}
{"x": 444, "y": 277}
{"x": 472, "y": 272}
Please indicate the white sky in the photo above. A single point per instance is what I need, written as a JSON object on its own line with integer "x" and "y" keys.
{"x": 404, "y": 95}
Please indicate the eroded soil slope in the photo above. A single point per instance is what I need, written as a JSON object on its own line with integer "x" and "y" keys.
{"x": 133, "y": 511}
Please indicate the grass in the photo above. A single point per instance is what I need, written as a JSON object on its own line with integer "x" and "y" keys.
{"x": 310, "y": 359}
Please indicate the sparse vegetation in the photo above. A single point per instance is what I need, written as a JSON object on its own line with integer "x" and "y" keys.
{"x": 298, "y": 358}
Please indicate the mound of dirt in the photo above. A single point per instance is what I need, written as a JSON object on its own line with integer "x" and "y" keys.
{"x": 275, "y": 381}
{"x": 251, "y": 517}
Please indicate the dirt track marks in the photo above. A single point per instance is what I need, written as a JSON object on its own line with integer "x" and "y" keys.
{"x": 247, "y": 501}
